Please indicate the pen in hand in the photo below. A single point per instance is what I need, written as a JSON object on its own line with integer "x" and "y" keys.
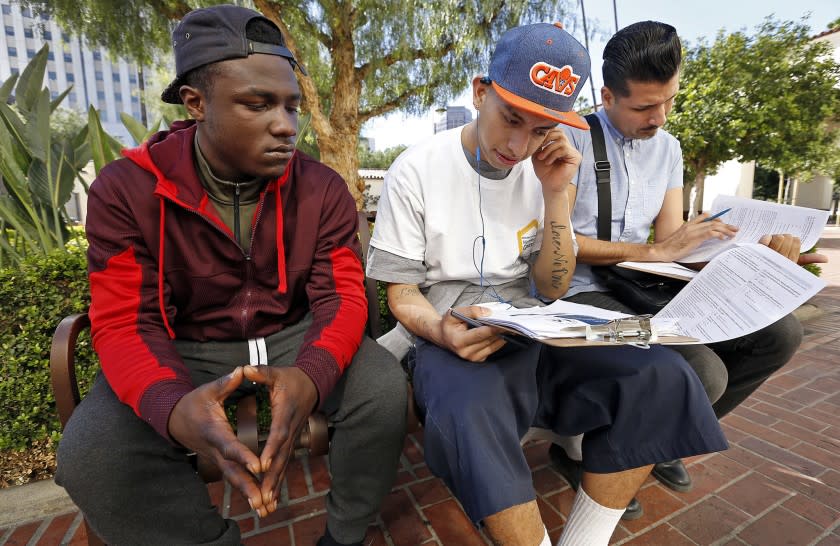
{"x": 718, "y": 215}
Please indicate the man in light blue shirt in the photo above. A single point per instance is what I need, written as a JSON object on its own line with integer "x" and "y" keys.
{"x": 641, "y": 80}
{"x": 644, "y": 172}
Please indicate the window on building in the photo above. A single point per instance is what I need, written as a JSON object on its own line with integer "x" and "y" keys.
{"x": 12, "y": 52}
{"x": 51, "y": 75}
{"x": 28, "y": 32}
{"x": 135, "y": 99}
{"x": 50, "y": 56}
{"x": 10, "y": 30}
{"x": 71, "y": 77}
{"x": 14, "y": 70}
{"x": 53, "y": 95}
{"x": 118, "y": 97}
{"x": 7, "y": 9}
{"x": 68, "y": 58}
{"x": 132, "y": 78}
{"x": 64, "y": 37}
{"x": 99, "y": 75}
{"x": 116, "y": 76}
{"x": 100, "y": 95}
{"x": 47, "y": 35}
{"x": 27, "y": 12}
{"x": 97, "y": 56}
{"x": 30, "y": 53}
{"x": 71, "y": 96}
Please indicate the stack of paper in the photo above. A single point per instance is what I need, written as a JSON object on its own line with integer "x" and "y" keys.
{"x": 755, "y": 219}
{"x": 560, "y": 319}
{"x": 742, "y": 290}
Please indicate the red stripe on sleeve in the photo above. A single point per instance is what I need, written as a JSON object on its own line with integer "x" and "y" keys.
{"x": 127, "y": 360}
{"x": 342, "y": 337}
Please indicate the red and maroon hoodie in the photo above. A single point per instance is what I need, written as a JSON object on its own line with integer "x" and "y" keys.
{"x": 163, "y": 265}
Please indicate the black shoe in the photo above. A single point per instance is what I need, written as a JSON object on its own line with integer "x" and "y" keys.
{"x": 673, "y": 474}
{"x": 572, "y": 472}
{"x": 328, "y": 540}
{"x": 634, "y": 510}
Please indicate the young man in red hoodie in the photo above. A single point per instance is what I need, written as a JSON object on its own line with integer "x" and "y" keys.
{"x": 212, "y": 246}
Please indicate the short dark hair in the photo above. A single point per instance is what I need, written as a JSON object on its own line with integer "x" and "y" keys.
{"x": 648, "y": 51}
{"x": 257, "y": 30}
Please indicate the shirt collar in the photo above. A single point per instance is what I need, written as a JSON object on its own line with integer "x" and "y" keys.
{"x": 615, "y": 134}
{"x": 222, "y": 191}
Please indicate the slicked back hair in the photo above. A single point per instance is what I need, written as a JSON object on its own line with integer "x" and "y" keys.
{"x": 257, "y": 30}
{"x": 648, "y": 51}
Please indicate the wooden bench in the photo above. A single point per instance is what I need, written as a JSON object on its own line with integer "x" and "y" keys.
{"x": 314, "y": 437}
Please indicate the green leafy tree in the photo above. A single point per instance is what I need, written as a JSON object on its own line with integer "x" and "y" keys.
{"x": 365, "y": 58}
{"x": 378, "y": 159}
{"x": 66, "y": 124}
{"x": 767, "y": 97}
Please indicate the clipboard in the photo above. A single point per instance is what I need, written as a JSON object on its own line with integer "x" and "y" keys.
{"x": 635, "y": 330}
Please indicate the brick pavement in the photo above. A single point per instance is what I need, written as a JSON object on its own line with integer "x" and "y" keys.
{"x": 778, "y": 484}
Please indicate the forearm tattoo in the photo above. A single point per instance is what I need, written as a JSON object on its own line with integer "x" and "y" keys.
{"x": 409, "y": 291}
{"x": 559, "y": 262}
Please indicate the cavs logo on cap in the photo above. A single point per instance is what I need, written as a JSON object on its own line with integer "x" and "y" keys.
{"x": 561, "y": 81}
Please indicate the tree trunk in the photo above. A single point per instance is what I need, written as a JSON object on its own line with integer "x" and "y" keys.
{"x": 337, "y": 130}
{"x": 338, "y": 151}
{"x": 696, "y": 199}
{"x": 781, "y": 194}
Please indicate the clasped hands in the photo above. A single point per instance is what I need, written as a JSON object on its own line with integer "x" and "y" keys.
{"x": 198, "y": 422}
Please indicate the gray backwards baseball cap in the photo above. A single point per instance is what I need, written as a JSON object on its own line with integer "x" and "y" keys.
{"x": 541, "y": 69}
{"x": 213, "y": 34}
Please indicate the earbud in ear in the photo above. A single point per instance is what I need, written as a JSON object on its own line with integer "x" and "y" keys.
{"x": 486, "y": 80}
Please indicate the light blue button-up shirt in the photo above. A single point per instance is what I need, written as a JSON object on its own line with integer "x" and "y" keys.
{"x": 641, "y": 171}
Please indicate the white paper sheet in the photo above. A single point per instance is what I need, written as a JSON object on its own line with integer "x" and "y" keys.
{"x": 666, "y": 269}
{"x": 560, "y": 319}
{"x": 741, "y": 291}
{"x": 756, "y": 219}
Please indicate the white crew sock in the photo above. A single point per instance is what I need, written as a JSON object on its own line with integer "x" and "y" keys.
{"x": 589, "y": 523}
{"x": 546, "y": 541}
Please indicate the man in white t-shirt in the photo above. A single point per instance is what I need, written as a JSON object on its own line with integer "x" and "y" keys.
{"x": 465, "y": 218}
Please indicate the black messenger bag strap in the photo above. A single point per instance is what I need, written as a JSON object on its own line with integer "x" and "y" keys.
{"x": 602, "y": 177}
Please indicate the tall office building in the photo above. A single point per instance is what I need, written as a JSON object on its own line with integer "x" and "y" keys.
{"x": 453, "y": 116}
{"x": 110, "y": 85}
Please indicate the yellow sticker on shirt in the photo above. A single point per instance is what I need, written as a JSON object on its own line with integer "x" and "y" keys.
{"x": 526, "y": 238}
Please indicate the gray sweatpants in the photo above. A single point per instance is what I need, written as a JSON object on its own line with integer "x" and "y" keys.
{"x": 135, "y": 487}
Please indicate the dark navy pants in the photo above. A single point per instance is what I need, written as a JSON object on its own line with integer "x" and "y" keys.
{"x": 636, "y": 406}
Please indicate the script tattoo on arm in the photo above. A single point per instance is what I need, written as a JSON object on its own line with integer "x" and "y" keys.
{"x": 559, "y": 262}
{"x": 409, "y": 291}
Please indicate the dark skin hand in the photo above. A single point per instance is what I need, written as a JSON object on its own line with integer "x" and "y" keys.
{"x": 198, "y": 422}
{"x": 293, "y": 397}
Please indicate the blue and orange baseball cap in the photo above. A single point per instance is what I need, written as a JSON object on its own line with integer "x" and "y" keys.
{"x": 541, "y": 69}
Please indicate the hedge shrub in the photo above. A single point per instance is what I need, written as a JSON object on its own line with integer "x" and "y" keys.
{"x": 34, "y": 297}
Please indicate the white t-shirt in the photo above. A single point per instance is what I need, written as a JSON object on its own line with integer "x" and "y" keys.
{"x": 431, "y": 210}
